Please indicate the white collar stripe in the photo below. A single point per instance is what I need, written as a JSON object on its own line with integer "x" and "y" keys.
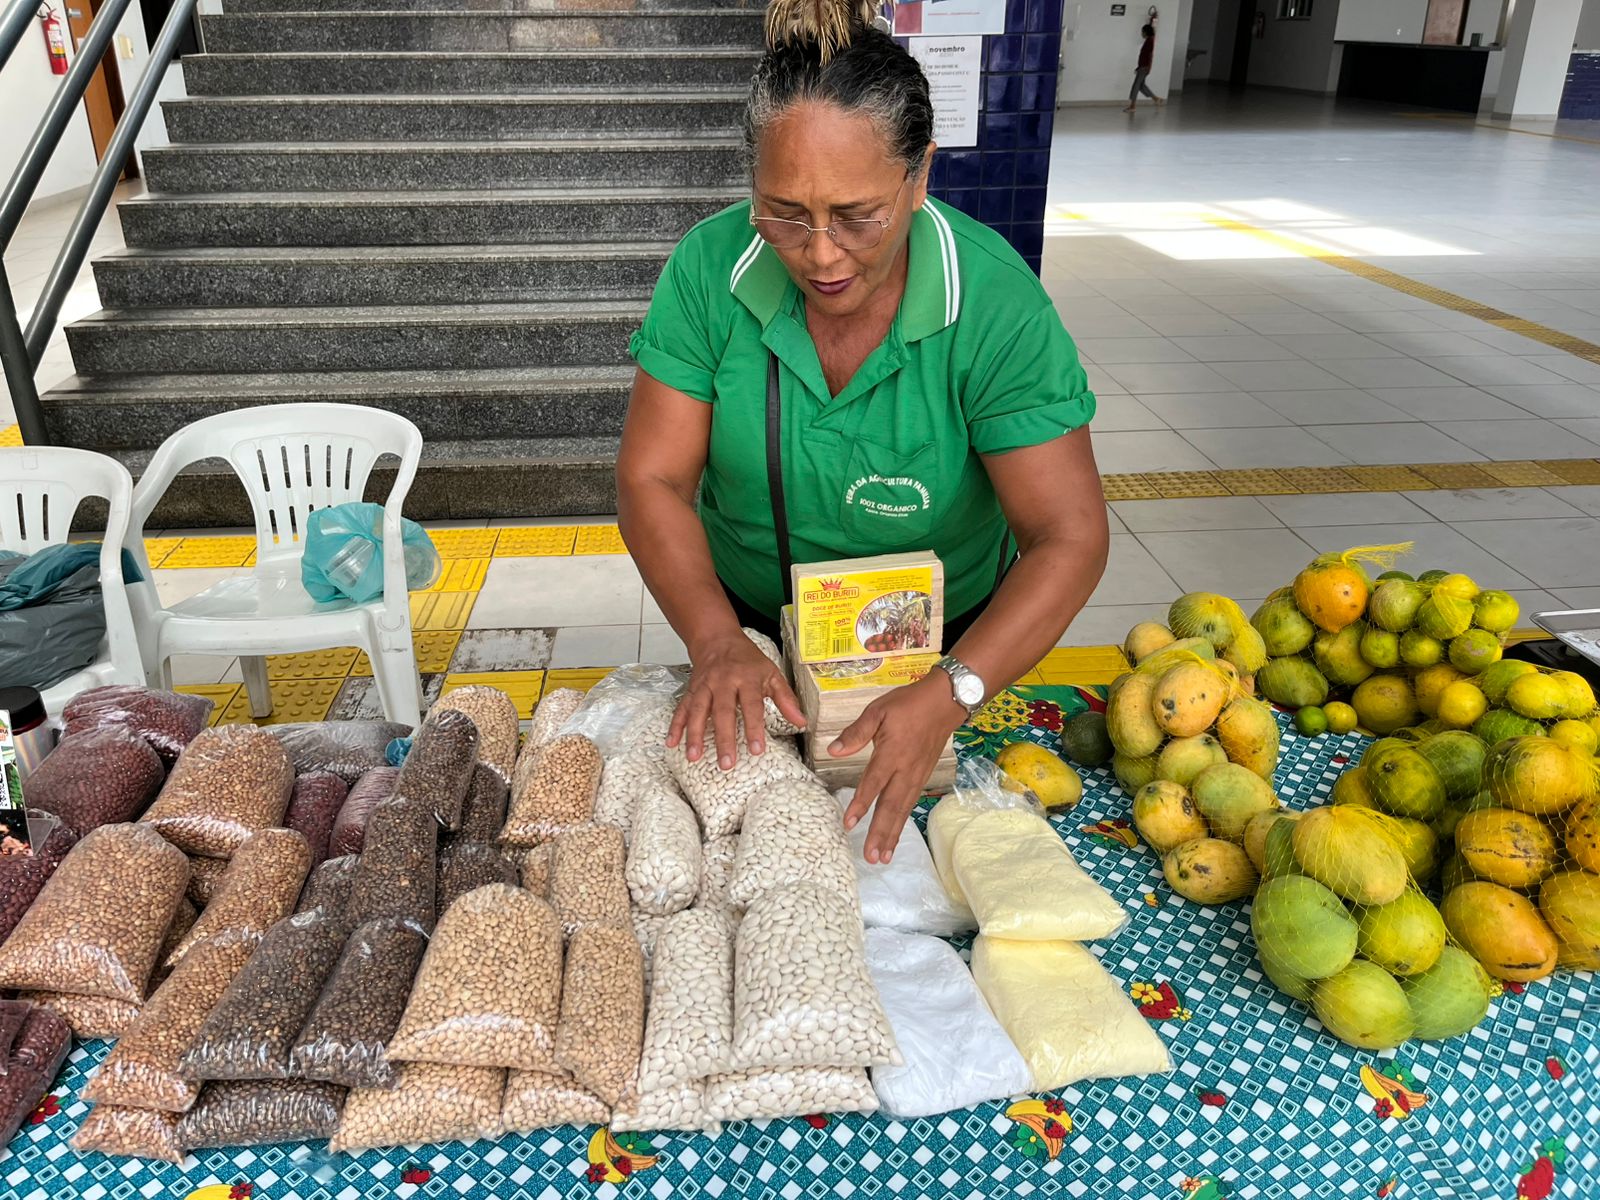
{"x": 745, "y": 259}
{"x": 952, "y": 266}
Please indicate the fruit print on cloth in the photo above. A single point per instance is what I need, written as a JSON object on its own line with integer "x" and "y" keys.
{"x": 1159, "y": 1002}
{"x": 1042, "y": 1127}
{"x": 1395, "y": 1091}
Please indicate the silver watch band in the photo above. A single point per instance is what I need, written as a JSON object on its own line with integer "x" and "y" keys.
{"x": 966, "y": 687}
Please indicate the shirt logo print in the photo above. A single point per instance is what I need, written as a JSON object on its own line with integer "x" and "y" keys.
{"x": 924, "y": 498}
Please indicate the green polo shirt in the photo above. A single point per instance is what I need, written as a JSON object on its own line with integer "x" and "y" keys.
{"x": 976, "y": 362}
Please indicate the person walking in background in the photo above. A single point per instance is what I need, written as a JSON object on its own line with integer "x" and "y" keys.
{"x": 1147, "y": 54}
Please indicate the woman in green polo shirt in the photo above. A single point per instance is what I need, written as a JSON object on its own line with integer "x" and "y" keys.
{"x": 844, "y": 367}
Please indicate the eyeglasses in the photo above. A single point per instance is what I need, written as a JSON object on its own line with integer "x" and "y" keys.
{"x": 860, "y": 234}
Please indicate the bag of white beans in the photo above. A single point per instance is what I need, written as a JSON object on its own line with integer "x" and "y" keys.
{"x": 793, "y": 832}
{"x": 689, "y": 1034}
{"x": 663, "y": 870}
{"x": 678, "y": 1108}
{"x": 719, "y": 797}
{"x": 759, "y": 1095}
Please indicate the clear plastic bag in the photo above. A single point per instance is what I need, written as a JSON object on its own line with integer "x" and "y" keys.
{"x": 313, "y": 807}
{"x": 716, "y": 872}
{"x": 328, "y": 887}
{"x": 681, "y": 1108}
{"x": 99, "y": 922}
{"x": 795, "y": 1092}
{"x": 130, "y": 1133}
{"x": 602, "y": 1010}
{"x": 802, "y": 996}
{"x": 979, "y": 788}
{"x": 778, "y": 725}
{"x": 647, "y": 930}
{"x": 663, "y": 867}
{"x": 1023, "y": 883}
{"x": 100, "y": 777}
{"x": 483, "y": 812}
{"x": 182, "y": 921}
{"x": 142, "y": 1069}
{"x": 793, "y": 832}
{"x": 259, "y": 889}
{"x": 534, "y": 866}
{"x": 91, "y": 1017}
{"x": 719, "y": 797}
{"x": 169, "y": 721}
{"x": 261, "y": 1112}
{"x": 396, "y": 872}
{"x": 204, "y": 876}
{"x": 622, "y": 706}
{"x": 624, "y": 779}
{"x": 538, "y": 1100}
{"x": 344, "y": 1040}
{"x": 438, "y": 770}
{"x": 349, "y": 749}
{"x": 23, "y": 876}
{"x": 559, "y": 792}
{"x": 249, "y": 1033}
{"x": 689, "y": 1035}
{"x": 12, "y": 1014}
{"x": 229, "y": 782}
{"x": 488, "y": 993}
{"x": 553, "y": 711}
{"x": 904, "y": 893}
{"x": 587, "y": 885}
{"x": 467, "y": 866}
{"x": 430, "y": 1102}
{"x": 350, "y": 826}
{"x": 495, "y": 715}
{"x": 956, "y": 1054}
{"x": 343, "y": 557}
{"x": 1069, "y": 1019}
{"x": 37, "y": 1052}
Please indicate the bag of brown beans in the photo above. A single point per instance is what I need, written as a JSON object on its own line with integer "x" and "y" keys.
{"x": 558, "y": 795}
{"x": 100, "y": 777}
{"x": 259, "y": 889}
{"x": 466, "y": 866}
{"x": 489, "y": 990}
{"x": 535, "y": 867}
{"x": 360, "y": 1008}
{"x": 182, "y": 921}
{"x": 495, "y": 715}
{"x": 229, "y": 782}
{"x": 538, "y": 1100}
{"x": 349, "y": 827}
{"x": 328, "y": 887}
{"x": 130, "y": 1133}
{"x": 99, "y": 922}
{"x": 12, "y": 1014}
{"x": 587, "y": 885}
{"x": 23, "y": 876}
{"x": 430, "y": 1102}
{"x": 249, "y": 1033}
{"x": 204, "y": 876}
{"x": 396, "y": 871}
{"x": 142, "y": 1069}
{"x": 349, "y": 749}
{"x": 483, "y": 813}
{"x": 601, "y": 1028}
{"x": 550, "y": 715}
{"x": 313, "y": 807}
{"x": 438, "y": 770}
{"x": 90, "y": 1017}
{"x": 261, "y": 1112}
{"x": 169, "y": 721}
{"x": 39, "y": 1049}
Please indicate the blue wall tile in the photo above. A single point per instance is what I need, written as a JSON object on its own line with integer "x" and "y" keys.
{"x": 963, "y": 168}
{"x": 999, "y": 131}
{"x": 1580, "y": 99}
{"x": 994, "y": 207}
{"x": 1041, "y": 52}
{"x": 1004, "y": 53}
{"x": 999, "y": 171}
{"x": 1002, "y": 93}
{"x": 1033, "y": 168}
{"x": 1034, "y": 130}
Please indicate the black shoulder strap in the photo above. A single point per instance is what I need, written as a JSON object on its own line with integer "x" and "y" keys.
{"x": 780, "y": 511}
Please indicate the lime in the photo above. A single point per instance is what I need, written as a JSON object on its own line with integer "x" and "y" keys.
{"x": 1393, "y": 575}
{"x": 1461, "y": 704}
{"x": 1474, "y": 650}
{"x": 1495, "y": 611}
{"x": 1417, "y": 649}
{"x": 1432, "y": 576}
{"x": 1340, "y": 716}
{"x": 1462, "y": 587}
{"x": 1311, "y": 721}
{"x": 1497, "y": 677}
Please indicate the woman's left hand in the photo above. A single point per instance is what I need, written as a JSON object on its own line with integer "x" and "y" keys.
{"x": 908, "y": 730}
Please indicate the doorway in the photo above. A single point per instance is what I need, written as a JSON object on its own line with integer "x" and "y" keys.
{"x": 1244, "y": 31}
{"x": 102, "y": 100}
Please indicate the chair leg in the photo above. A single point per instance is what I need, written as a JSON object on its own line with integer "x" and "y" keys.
{"x": 256, "y": 686}
{"x": 394, "y": 674}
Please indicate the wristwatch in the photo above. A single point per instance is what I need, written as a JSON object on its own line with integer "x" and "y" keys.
{"x": 964, "y": 682}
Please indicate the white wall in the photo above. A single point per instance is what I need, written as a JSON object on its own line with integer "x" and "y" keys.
{"x": 1589, "y": 26}
{"x": 1202, "y": 30}
{"x": 1483, "y": 17}
{"x": 1180, "y": 42}
{"x": 1299, "y": 55}
{"x": 1099, "y": 51}
{"x": 1380, "y": 20}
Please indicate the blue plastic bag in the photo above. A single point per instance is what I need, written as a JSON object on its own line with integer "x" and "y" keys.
{"x": 343, "y": 559}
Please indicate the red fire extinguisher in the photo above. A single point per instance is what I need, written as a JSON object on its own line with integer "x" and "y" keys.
{"x": 55, "y": 40}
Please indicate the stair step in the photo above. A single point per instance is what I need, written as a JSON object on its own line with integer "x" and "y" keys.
{"x": 545, "y": 216}
{"x": 448, "y": 118}
{"x": 359, "y": 275}
{"x": 132, "y": 412}
{"x": 357, "y": 32}
{"x": 398, "y": 167}
{"x": 645, "y": 72}
{"x": 408, "y": 337}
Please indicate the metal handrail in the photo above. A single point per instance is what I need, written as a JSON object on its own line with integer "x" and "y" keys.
{"x": 20, "y": 353}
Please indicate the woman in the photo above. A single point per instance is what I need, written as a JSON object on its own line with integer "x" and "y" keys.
{"x": 905, "y": 377}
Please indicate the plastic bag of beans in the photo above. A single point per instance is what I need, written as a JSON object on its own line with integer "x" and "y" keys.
{"x": 438, "y": 770}
{"x": 99, "y": 922}
{"x": 430, "y": 1102}
{"x": 12, "y": 1014}
{"x": 538, "y": 1100}
{"x": 130, "y": 1133}
{"x": 664, "y": 859}
{"x": 587, "y": 884}
{"x": 249, "y": 1033}
{"x": 204, "y": 876}
{"x": 142, "y": 1069}
{"x": 483, "y": 812}
{"x": 328, "y": 887}
{"x": 313, "y": 807}
{"x": 602, "y": 1010}
{"x": 682, "y": 1107}
{"x": 23, "y": 876}
{"x": 554, "y": 710}
{"x": 259, "y": 889}
{"x": 719, "y": 797}
{"x": 495, "y": 715}
{"x": 488, "y": 993}
{"x": 558, "y": 795}
{"x": 618, "y": 710}
{"x": 466, "y": 866}
{"x": 349, "y": 827}
{"x": 360, "y": 1008}
{"x": 90, "y": 1017}
{"x": 37, "y": 1052}
{"x": 534, "y": 863}
{"x": 100, "y": 777}
{"x": 793, "y": 1092}
{"x": 690, "y": 1032}
{"x": 349, "y": 749}
{"x": 260, "y": 1112}
{"x": 395, "y": 874}
{"x": 169, "y": 721}
{"x": 229, "y": 782}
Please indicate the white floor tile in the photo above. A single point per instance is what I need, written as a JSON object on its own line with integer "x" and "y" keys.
{"x": 1119, "y": 453}
{"x": 1437, "y": 343}
{"x": 1194, "y": 324}
{"x": 1436, "y": 546}
{"x": 1584, "y": 498}
{"x": 1280, "y": 447}
{"x": 1144, "y": 378}
{"x": 1343, "y": 508}
{"x": 1242, "y": 347}
{"x": 558, "y": 592}
{"x": 1550, "y": 399}
{"x": 1333, "y": 406}
{"x": 1534, "y": 438}
{"x": 1553, "y": 553}
{"x": 1380, "y": 444}
{"x": 1121, "y": 414}
{"x": 659, "y": 644}
{"x": 1579, "y": 597}
{"x": 596, "y": 646}
{"x": 1458, "y": 403}
{"x": 1277, "y": 376}
{"x": 1133, "y": 577}
{"x": 204, "y": 668}
{"x": 1108, "y": 624}
{"x": 1212, "y": 410}
{"x": 1483, "y": 370}
{"x": 1374, "y": 373}
{"x": 1234, "y": 562}
{"x": 1218, "y": 512}
{"x": 1569, "y": 366}
{"x": 1493, "y": 504}
{"x": 1346, "y": 344}
{"x": 1112, "y": 352}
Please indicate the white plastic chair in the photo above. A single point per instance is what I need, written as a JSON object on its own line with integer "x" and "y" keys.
{"x": 41, "y": 489}
{"x": 291, "y": 458}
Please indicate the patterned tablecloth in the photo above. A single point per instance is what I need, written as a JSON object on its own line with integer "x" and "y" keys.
{"x": 1260, "y": 1103}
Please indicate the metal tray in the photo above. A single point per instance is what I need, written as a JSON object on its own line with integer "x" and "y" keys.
{"x": 1577, "y": 627}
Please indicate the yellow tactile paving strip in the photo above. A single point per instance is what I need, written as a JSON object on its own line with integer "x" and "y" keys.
{"x": 1417, "y": 477}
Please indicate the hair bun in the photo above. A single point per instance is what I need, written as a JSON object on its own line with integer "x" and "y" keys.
{"x": 829, "y": 25}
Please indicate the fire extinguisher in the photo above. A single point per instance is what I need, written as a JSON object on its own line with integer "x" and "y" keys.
{"x": 54, "y": 40}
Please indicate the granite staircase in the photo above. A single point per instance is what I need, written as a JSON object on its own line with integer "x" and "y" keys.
{"x": 452, "y": 209}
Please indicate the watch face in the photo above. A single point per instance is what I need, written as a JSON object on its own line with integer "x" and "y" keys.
{"x": 969, "y": 690}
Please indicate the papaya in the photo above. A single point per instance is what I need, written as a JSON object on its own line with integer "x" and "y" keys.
{"x": 1338, "y": 655}
{"x": 1282, "y": 978}
{"x": 1404, "y": 783}
{"x": 1134, "y": 771}
{"x": 1450, "y": 997}
{"x": 1352, "y": 788}
{"x": 1130, "y": 719}
{"x": 1249, "y": 733}
{"x": 1404, "y": 937}
{"x": 1256, "y": 830}
{"x": 1207, "y": 615}
{"x": 1501, "y": 929}
{"x": 1363, "y": 1005}
{"x": 1145, "y": 638}
{"x": 1209, "y": 871}
{"x": 1419, "y": 845}
{"x": 1385, "y": 703}
{"x": 1279, "y": 850}
{"x": 1583, "y": 834}
{"x": 1513, "y": 849}
{"x": 1394, "y": 605}
{"x": 1165, "y": 815}
{"x": 1570, "y": 903}
{"x": 1537, "y": 775}
{"x": 1292, "y": 682}
{"x": 1247, "y": 652}
{"x": 1228, "y": 795}
{"x": 1348, "y": 850}
{"x": 1182, "y": 759}
{"x": 1188, "y": 699}
{"x": 1303, "y": 926}
{"x": 1458, "y": 757}
{"x": 1284, "y": 629}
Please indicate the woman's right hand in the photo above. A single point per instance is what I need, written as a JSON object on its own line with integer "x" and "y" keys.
{"x": 731, "y": 678}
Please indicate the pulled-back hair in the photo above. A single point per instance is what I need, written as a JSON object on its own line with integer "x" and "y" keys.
{"x": 830, "y": 52}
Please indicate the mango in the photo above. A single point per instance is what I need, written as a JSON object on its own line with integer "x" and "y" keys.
{"x": 1404, "y": 937}
{"x": 1501, "y": 929}
{"x": 1247, "y": 652}
{"x": 1539, "y": 697}
{"x": 1501, "y": 724}
{"x": 1292, "y": 682}
{"x": 1228, "y": 795}
{"x": 1364, "y": 1006}
{"x": 1249, "y": 733}
{"x": 1182, "y": 651}
{"x": 1282, "y": 978}
{"x": 1182, "y": 759}
{"x": 1404, "y": 783}
{"x": 1255, "y": 836}
{"x": 1444, "y": 617}
{"x": 1577, "y": 695}
{"x": 1385, "y": 703}
{"x": 1279, "y": 850}
{"x": 1130, "y": 719}
{"x": 1450, "y": 997}
{"x": 1208, "y": 615}
{"x": 1570, "y": 903}
{"x": 1496, "y": 678}
{"x": 1303, "y": 926}
{"x": 1453, "y": 873}
{"x": 1165, "y": 815}
{"x": 1283, "y": 627}
{"x": 1513, "y": 849}
{"x": 1419, "y": 846}
{"x": 1188, "y": 699}
{"x": 1537, "y": 775}
{"x": 1583, "y": 834}
{"x": 1347, "y": 849}
{"x": 1458, "y": 757}
{"x": 1394, "y": 604}
{"x": 1339, "y": 658}
{"x": 1209, "y": 871}
{"x": 1145, "y": 638}
{"x": 1352, "y": 788}
{"x": 1133, "y": 771}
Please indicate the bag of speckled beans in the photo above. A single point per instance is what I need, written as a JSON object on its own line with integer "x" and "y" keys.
{"x": 719, "y": 797}
{"x": 438, "y": 770}
{"x": 350, "y": 826}
{"x": 587, "y": 886}
{"x": 119, "y": 1132}
{"x": 229, "y": 782}
{"x": 488, "y": 993}
{"x": 101, "y": 777}
{"x": 91, "y": 1017}
{"x": 396, "y": 873}
{"x": 348, "y": 749}
{"x": 313, "y": 808}
{"x": 602, "y": 1010}
{"x": 495, "y": 715}
{"x": 98, "y": 924}
{"x": 328, "y": 887}
{"x": 430, "y": 1102}
{"x": 558, "y": 795}
{"x": 483, "y": 812}
{"x": 539, "y": 1100}
{"x": 169, "y": 721}
{"x": 259, "y": 889}
{"x": 23, "y": 876}
{"x": 467, "y": 866}
{"x": 261, "y": 1112}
